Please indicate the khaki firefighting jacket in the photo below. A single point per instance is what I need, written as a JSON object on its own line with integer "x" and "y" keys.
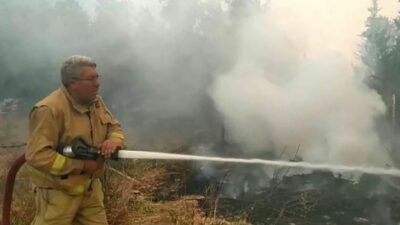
{"x": 54, "y": 122}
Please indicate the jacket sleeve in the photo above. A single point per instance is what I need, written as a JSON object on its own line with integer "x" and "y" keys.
{"x": 42, "y": 142}
{"x": 114, "y": 129}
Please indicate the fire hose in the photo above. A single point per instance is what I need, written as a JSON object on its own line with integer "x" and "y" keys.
{"x": 9, "y": 188}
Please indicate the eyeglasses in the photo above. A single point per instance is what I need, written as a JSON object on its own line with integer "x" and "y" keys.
{"x": 95, "y": 78}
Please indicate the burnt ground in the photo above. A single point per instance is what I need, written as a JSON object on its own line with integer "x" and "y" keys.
{"x": 309, "y": 199}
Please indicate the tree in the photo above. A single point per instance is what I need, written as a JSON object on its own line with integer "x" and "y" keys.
{"x": 380, "y": 53}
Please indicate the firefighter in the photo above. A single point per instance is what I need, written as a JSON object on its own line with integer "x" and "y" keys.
{"x": 68, "y": 191}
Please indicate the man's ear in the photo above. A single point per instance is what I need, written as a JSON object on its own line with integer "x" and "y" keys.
{"x": 72, "y": 83}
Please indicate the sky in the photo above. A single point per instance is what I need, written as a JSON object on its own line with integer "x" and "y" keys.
{"x": 335, "y": 25}
{"x": 336, "y": 22}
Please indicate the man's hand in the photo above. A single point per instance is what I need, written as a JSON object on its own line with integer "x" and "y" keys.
{"x": 109, "y": 147}
{"x": 91, "y": 166}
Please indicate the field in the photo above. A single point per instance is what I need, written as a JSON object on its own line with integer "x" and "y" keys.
{"x": 153, "y": 192}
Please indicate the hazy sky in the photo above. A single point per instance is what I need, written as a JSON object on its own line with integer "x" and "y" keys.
{"x": 332, "y": 25}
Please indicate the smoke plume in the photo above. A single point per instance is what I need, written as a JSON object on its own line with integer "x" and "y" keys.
{"x": 275, "y": 98}
{"x": 185, "y": 69}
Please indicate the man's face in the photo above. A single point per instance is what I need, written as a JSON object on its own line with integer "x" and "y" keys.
{"x": 85, "y": 89}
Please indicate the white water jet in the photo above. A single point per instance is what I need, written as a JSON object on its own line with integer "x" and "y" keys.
{"x": 130, "y": 154}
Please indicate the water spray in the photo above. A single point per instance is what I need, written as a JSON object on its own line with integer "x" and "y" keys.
{"x": 130, "y": 154}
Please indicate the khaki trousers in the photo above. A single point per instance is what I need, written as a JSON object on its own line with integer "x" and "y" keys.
{"x": 54, "y": 207}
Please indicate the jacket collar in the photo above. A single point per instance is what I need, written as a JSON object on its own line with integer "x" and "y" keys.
{"x": 77, "y": 106}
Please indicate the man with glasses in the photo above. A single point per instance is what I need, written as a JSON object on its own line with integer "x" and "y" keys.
{"x": 68, "y": 191}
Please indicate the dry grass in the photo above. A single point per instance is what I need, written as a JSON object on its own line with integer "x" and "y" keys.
{"x": 153, "y": 198}
{"x": 185, "y": 211}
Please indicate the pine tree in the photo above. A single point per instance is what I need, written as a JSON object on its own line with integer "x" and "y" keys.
{"x": 380, "y": 53}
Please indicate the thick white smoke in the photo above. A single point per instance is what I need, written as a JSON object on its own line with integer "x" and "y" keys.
{"x": 276, "y": 96}
{"x": 158, "y": 60}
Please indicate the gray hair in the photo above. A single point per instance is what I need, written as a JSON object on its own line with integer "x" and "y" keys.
{"x": 71, "y": 67}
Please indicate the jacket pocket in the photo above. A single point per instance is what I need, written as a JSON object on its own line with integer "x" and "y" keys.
{"x": 106, "y": 118}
